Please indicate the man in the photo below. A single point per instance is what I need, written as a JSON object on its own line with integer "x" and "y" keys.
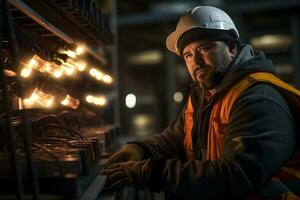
{"x": 235, "y": 135}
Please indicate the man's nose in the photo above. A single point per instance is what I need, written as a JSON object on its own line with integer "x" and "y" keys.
{"x": 198, "y": 59}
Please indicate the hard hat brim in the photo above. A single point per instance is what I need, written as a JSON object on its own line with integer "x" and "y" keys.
{"x": 176, "y": 41}
{"x": 173, "y": 38}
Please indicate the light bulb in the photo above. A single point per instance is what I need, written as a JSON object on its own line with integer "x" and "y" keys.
{"x": 26, "y": 71}
{"x": 99, "y": 76}
{"x": 93, "y": 72}
{"x": 89, "y": 98}
{"x": 71, "y": 54}
{"x": 28, "y": 103}
{"x": 44, "y": 68}
{"x": 36, "y": 62}
{"x": 79, "y": 50}
{"x": 100, "y": 101}
{"x": 58, "y": 73}
{"x": 32, "y": 63}
{"x": 68, "y": 68}
{"x": 107, "y": 79}
{"x": 97, "y": 100}
{"x": 81, "y": 66}
{"x": 70, "y": 102}
{"x": 56, "y": 70}
{"x": 42, "y": 98}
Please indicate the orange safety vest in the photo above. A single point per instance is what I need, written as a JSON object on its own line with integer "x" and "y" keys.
{"x": 219, "y": 119}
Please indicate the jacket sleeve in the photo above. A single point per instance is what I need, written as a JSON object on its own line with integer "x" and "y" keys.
{"x": 167, "y": 144}
{"x": 260, "y": 138}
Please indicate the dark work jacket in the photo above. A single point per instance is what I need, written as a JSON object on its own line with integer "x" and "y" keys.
{"x": 260, "y": 139}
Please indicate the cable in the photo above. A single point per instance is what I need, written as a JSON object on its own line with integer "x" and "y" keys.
{"x": 61, "y": 171}
{"x": 63, "y": 127}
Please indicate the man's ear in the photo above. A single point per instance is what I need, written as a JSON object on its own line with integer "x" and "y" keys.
{"x": 232, "y": 48}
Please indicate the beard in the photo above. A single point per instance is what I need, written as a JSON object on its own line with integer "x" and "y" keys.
{"x": 212, "y": 77}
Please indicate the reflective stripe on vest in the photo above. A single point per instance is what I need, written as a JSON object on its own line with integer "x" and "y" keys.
{"x": 188, "y": 126}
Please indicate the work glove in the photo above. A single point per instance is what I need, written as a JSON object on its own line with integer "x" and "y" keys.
{"x": 128, "y": 174}
{"x": 128, "y": 152}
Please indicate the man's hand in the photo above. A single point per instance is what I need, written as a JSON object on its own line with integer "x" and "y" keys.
{"x": 130, "y": 173}
{"x": 128, "y": 152}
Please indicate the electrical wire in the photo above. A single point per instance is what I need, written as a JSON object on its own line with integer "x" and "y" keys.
{"x": 75, "y": 133}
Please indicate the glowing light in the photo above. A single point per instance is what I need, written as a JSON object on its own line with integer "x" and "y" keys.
{"x": 70, "y": 102}
{"x": 107, "y": 79}
{"x": 89, "y": 98}
{"x": 178, "y": 97}
{"x": 81, "y": 66}
{"x": 65, "y": 102}
{"x": 34, "y": 96}
{"x": 130, "y": 100}
{"x": 42, "y": 98}
{"x": 28, "y": 103}
{"x": 71, "y": 54}
{"x": 46, "y": 68}
{"x": 26, "y": 71}
{"x": 51, "y": 68}
{"x": 58, "y": 73}
{"x": 97, "y": 100}
{"x": 36, "y": 62}
{"x": 93, "y": 72}
{"x": 56, "y": 70}
{"x": 103, "y": 101}
{"x": 8, "y": 72}
{"x": 68, "y": 68}
{"x": 79, "y": 50}
{"x": 49, "y": 102}
{"x": 99, "y": 76}
{"x": 96, "y": 73}
{"x": 150, "y": 57}
{"x": 43, "y": 66}
{"x": 272, "y": 42}
{"x": 142, "y": 124}
{"x": 33, "y": 62}
{"x": 99, "y": 73}
{"x": 141, "y": 120}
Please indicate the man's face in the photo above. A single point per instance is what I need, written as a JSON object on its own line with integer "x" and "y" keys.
{"x": 207, "y": 61}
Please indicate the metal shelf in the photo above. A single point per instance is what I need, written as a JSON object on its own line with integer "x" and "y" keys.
{"x": 57, "y": 24}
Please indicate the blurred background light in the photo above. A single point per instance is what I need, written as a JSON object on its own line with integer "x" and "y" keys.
{"x": 146, "y": 58}
{"x": 130, "y": 100}
{"x": 272, "y": 42}
{"x": 178, "y": 97}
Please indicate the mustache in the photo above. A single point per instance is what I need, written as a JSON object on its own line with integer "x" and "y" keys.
{"x": 198, "y": 67}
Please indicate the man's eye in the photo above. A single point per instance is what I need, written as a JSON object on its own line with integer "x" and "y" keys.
{"x": 186, "y": 56}
{"x": 203, "y": 48}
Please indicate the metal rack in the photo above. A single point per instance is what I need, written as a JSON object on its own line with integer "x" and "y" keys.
{"x": 49, "y": 25}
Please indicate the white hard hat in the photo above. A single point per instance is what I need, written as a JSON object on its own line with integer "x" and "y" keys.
{"x": 203, "y": 18}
